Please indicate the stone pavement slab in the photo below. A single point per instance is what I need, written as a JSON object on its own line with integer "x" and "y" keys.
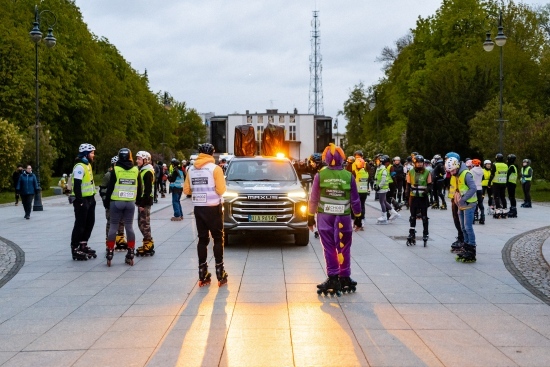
{"x": 414, "y": 306}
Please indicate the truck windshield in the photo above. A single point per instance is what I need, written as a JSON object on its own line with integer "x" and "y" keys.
{"x": 260, "y": 170}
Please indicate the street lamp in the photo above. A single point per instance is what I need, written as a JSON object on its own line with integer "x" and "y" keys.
{"x": 50, "y": 41}
{"x": 488, "y": 46}
{"x": 167, "y": 107}
{"x": 335, "y": 127}
{"x": 372, "y": 106}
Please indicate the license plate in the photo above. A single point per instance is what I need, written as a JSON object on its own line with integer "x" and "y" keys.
{"x": 262, "y": 218}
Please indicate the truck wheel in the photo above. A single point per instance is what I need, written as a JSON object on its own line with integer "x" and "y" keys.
{"x": 301, "y": 238}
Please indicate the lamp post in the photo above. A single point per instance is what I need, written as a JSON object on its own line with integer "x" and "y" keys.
{"x": 335, "y": 127}
{"x": 372, "y": 106}
{"x": 488, "y": 46}
{"x": 36, "y": 36}
{"x": 167, "y": 107}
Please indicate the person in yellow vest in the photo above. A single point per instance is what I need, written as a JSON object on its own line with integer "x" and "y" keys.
{"x": 526, "y": 178}
{"x": 121, "y": 243}
{"x": 459, "y": 243}
{"x": 511, "y": 183}
{"x": 484, "y": 184}
{"x": 419, "y": 181}
{"x": 120, "y": 198}
{"x": 497, "y": 181}
{"x": 205, "y": 182}
{"x": 465, "y": 198}
{"x": 382, "y": 186}
{"x": 144, "y": 201}
{"x": 83, "y": 200}
{"x": 362, "y": 182}
{"x": 477, "y": 172}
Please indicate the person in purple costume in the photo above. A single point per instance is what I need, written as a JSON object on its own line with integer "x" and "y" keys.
{"x": 333, "y": 197}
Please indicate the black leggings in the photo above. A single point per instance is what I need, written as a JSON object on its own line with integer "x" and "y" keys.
{"x": 499, "y": 191}
{"x": 489, "y": 194}
{"x": 419, "y": 204}
{"x": 84, "y": 220}
{"x": 526, "y": 186}
{"x": 480, "y": 202}
{"x": 511, "y": 194}
{"x": 209, "y": 220}
{"x": 454, "y": 210}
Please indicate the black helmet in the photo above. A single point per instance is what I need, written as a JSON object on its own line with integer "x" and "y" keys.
{"x": 511, "y": 158}
{"x": 499, "y": 157}
{"x": 528, "y": 161}
{"x": 384, "y": 159}
{"x": 206, "y": 148}
{"x": 419, "y": 161}
{"x": 125, "y": 155}
{"x": 359, "y": 153}
{"x": 174, "y": 161}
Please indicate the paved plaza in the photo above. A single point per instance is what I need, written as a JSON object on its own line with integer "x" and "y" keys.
{"x": 414, "y": 306}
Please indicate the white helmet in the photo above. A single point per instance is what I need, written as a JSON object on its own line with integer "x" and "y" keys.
{"x": 114, "y": 159}
{"x": 144, "y": 155}
{"x": 86, "y": 148}
{"x": 452, "y": 164}
{"x": 487, "y": 161}
{"x": 396, "y": 159}
{"x": 64, "y": 175}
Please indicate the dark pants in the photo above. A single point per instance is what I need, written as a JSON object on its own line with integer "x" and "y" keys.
{"x": 458, "y": 226}
{"x": 480, "y": 202}
{"x": 489, "y": 194}
{"x": 499, "y": 192}
{"x": 526, "y": 186}
{"x": 439, "y": 188}
{"x": 84, "y": 220}
{"x": 27, "y": 204}
{"x": 511, "y": 194}
{"x": 209, "y": 221}
{"x": 16, "y": 198}
{"x": 399, "y": 184}
{"x": 419, "y": 204}
{"x": 362, "y": 198}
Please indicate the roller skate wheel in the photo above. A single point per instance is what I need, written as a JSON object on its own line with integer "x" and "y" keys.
{"x": 109, "y": 263}
{"x": 319, "y": 291}
{"x": 222, "y": 282}
{"x": 205, "y": 282}
{"x": 94, "y": 256}
{"x": 130, "y": 262}
{"x": 152, "y": 252}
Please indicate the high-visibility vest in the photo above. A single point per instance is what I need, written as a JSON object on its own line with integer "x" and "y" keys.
{"x": 513, "y": 178}
{"x": 335, "y": 192}
{"x": 203, "y": 186}
{"x": 462, "y": 187}
{"x": 378, "y": 177}
{"x": 142, "y": 173}
{"x": 486, "y": 175}
{"x": 389, "y": 178}
{"x": 362, "y": 180}
{"x": 500, "y": 174}
{"x": 419, "y": 183}
{"x": 525, "y": 172}
{"x": 126, "y": 184}
{"x": 87, "y": 187}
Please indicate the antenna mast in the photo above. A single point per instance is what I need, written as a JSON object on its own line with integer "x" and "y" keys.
{"x": 315, "y": 69}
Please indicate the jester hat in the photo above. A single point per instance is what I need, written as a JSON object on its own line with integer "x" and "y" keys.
{"x": 333, "y": 155}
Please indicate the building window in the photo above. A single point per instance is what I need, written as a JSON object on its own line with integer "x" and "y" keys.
{"x": 270, "y": 119}
{"x": 260, "y": 119}
{"x": 292, "y": 133}
{"x": 292, "y": 119}
{"x": 281, "y": 120}
{"x": 259, "y": 132}
{"x": 249, "y": 119}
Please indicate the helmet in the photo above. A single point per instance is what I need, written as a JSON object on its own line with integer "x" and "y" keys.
{"x": 499, "y": 157}
{"x": 164, "y": 164}
{"x": 86, "y": 148}
{"x": 469, "y": 163}
{"x": 414, "y": 154}
{"x": 452, "y": 155}
{"x": 452, "y": 164}
{"x": 175, "y": 161}
{"x": 409, "y": 159}
{"x": 206, "y": 148}
{"x": 487, "y": 161}
{"x": 436, "y": 157}
{"x": 359, "y": 153}
{"x": 114, "y": 159}
{"x": 419, "y": 161}
{"x": 511, "y": 158}
{"x": 476, "y": 162}
{"x": 359, "y": 163}
{"x": 528, "y": 161}
{"x": 125, "y": 155}
{"x": 315, "y": 158}
{"x": 144, "y": 155}
{"x": 384, "y": 159}
{"x": 351, "y": 159}
{"x": 64, "y": 175}
{"x": 396, "y": 159}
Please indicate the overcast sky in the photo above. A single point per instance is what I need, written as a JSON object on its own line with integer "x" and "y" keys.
{"x": 228, "y": 56}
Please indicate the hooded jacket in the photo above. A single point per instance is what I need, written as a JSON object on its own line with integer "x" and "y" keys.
{"x": 219, "y": 178}
{"x": 112, "y": 181}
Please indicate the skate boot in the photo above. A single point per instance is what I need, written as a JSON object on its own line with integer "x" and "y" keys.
{"x": 425, "y": 239}
{"x": 528, "y": 205}
{"x": 496, "y": 213}
{"x": 120, "y": 243}
{"x": 411, "y": 240}
{"x": 221, "y": 275}
{"x": 491, "y": 211}
{"x": 130, "y": 257}
{"x": 78, "y": 254}
{"x": 482, "y": 219}
{"x": 394, "y": 215}
{"x": 88, "y": 251}
{"x": 456, "y": 246}
{"x": 513, "y": 213}
{"x": 204, "y": 275}
{"x": 348, "y": 285}
{"x": 504, "y": 213}
{"x": 316, "y": 234}
{"x": 435, "y": 206}
{"x": 383, "y": 219}
{"x": 330, "y": 286}
{"x": 110, "y": 253}
{"x": 443, "y": 206}
{"x": 148, "y": 248}
{"x": 468, "y": 255}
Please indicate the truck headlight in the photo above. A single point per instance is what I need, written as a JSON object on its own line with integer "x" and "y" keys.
{"x": 297, "y": 194}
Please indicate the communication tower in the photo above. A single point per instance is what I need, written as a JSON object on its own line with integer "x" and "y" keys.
{"x": 315, "y": 69}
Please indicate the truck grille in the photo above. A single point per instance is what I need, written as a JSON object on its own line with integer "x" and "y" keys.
{"x": 242, "y": 208}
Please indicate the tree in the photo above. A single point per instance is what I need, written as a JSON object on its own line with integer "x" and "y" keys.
{"x": 12, "y": 147}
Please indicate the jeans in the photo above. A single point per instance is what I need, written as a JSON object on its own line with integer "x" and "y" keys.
{"x": 176, "y": 204}
{"x": 466, "y": 218}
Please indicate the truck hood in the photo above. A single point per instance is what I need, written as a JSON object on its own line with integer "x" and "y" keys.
{"x": 263, "y": 186}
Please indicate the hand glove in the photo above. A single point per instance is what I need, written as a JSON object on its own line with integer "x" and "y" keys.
{"x": 77, "y": 201}
{"x": 376, "y": 187}
{"x": 106, "y": 204}
{"x": 357, "y": 222}
{"x": 310, "y": 220}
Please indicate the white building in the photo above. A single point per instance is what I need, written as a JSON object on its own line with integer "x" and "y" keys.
{"x": 304, "y": 133}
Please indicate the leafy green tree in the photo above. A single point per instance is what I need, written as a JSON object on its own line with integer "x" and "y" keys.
{"x": 12, "y": 146}
{"x": 48, "y": 154}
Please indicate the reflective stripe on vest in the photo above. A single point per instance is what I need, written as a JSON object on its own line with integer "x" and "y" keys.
{"x": 378, "y": 177}
{"x": 462, "y": 187}
{"x": 142, "y": 173}
{"x": 179, "y": 180}
{"x": 513, "y": 178}
{"x": 419, "y": 183}
{"x": 87, "y": 187}
{"x": 362, "y": 180}
{"x": 335, "y": 192}
{"x": 500, "y": 174}
{"x": 126, "y": 184}
{"x": 486, "y": 175}
{"x": 203, "y": 186}
{"x": 525, "y": 172}
{"x": 388, "y": 176}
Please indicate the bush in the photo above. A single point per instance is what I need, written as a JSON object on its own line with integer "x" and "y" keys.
{"x": 12, "y": 144}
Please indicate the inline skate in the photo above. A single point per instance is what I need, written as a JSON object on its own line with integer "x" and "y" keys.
{"x": 221, "y": 275}
{"x": 383, "y": 219}
{"x": 482, "y": 219}
{"x": 497, "y": 213}
{"x": 120, "y": 243}
{"x": 130, "y": 257}
{"x": 316, "y": 234}
{"x": 476, "y": 217}
{"x": 456, "y": 246}
{"x": 468, "y": 254}
{"x": 347, "y": 285}
{"x": 425, "y": 238}
{"x": 513, "y": 213}
{"x": 411, "y": 240}
{"x": 443, "y": 206}
{"x": 109, "y": 255}
{"x": 88, "y": 251}
{"x": 78, "y": 254}
{"x": 204, "y": 275}
{"x": 330, "y": 286}
{"x": 148, "y": 248}
{"x": 394, "y": 215}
